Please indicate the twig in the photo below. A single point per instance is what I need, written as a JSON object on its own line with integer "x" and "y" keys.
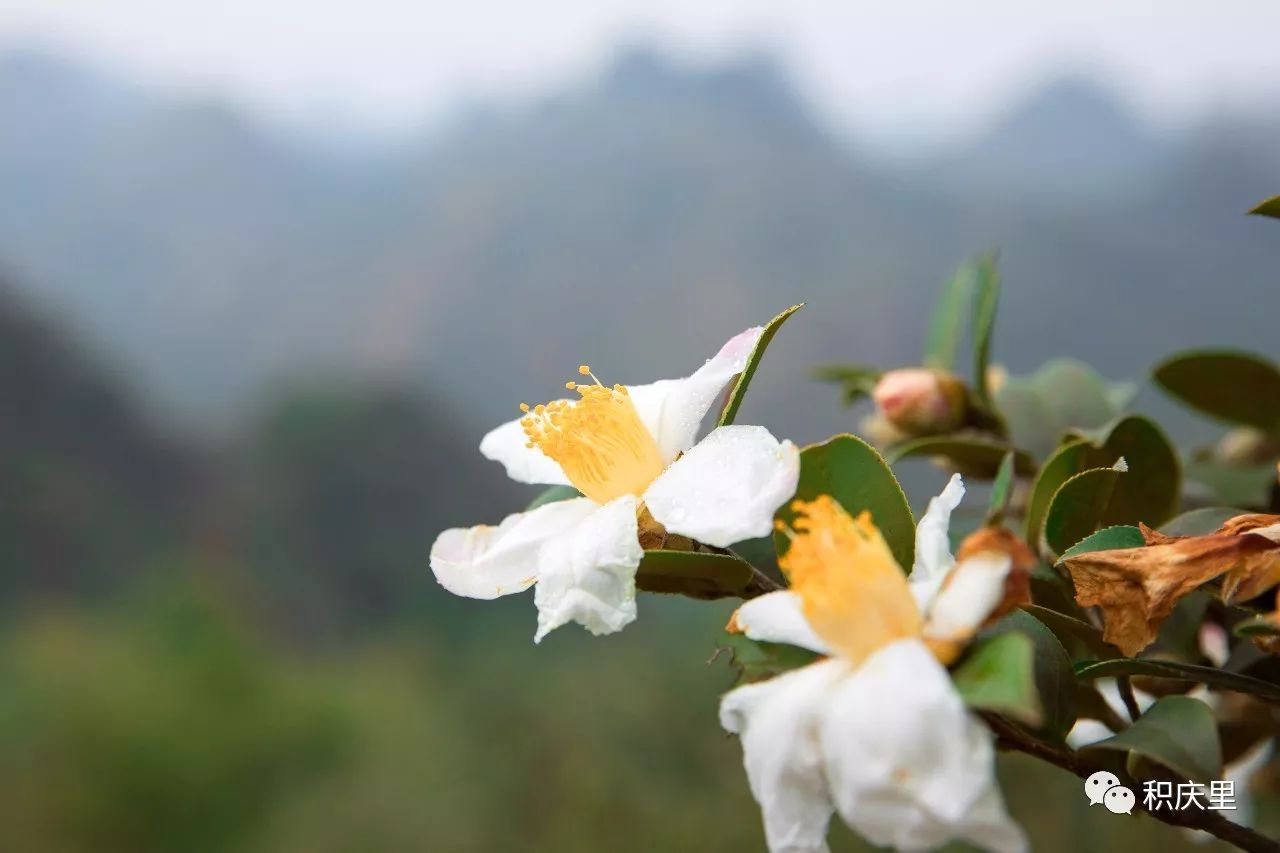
{"x": 1125, "y": 687}
{"x": 759, "y": 585}
{"x": 1010, "y": 736}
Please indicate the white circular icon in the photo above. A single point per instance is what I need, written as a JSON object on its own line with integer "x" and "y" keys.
{"x": 1097, "y": 785}
{"x": 1119, "y": 800}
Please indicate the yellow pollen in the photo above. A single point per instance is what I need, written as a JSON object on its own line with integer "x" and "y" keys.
{"x": 853, "y": 592}
{"x": 598, "y": 439}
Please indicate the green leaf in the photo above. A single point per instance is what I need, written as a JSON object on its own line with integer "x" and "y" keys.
{"x": 856, "y": 380}
{"x": 850, "y": 470}
{"x": 696, "y": 574}
{"x": 1151, "y": 493}
{"x": 1001, "y": 490}
{"x": 757, "y": 660}
{"x": 1177, "y": 732}
{"x": 986, "y": 297}
{"x": 1237, "y": 485}
{"x": 1077, "y": 396}
{"x": 1213, "y": 677}
{"x": 1055, "y": 681}
{"x": 999, "y": 675}
{"x": 1068, "y": 628}
{"x": 974, "y": 455}
{"x": 1259, "y": 626}
{"x": 1106, "y": 539}
{"x": 1237, "y": 387}
{"x": 947, "y": 324}
{"x": 1199, "y": 522}
{"x": 553, "y": 494}
{"x": 1063, "y": 394}
{"x": 1270, "y": 207}
{"x": 734, "y": 401}
{"x": 1063, "y": 464}
{"x": 1077, "y": 507}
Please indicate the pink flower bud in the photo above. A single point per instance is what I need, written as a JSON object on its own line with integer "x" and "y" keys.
{"x": 920, "y": 401}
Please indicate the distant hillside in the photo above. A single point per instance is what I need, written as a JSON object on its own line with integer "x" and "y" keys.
{"x": 635, "y": 221}
{"x": 91, "y": 492}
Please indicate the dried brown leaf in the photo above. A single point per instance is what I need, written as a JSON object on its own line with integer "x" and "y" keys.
{"x": 1137, "y": 588}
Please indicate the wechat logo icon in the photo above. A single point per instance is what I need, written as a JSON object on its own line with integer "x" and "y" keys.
{"x": 1105, "y": 788}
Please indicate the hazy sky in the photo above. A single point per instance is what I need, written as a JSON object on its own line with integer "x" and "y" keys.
{"x": 885, "y": 67}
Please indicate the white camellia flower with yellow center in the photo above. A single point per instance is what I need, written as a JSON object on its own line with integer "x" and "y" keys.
{"x": 630, "y": 451}
{"x": 874, "y": 731}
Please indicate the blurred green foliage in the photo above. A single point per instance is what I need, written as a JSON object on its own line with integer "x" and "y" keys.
{"x": 166, "y": 724}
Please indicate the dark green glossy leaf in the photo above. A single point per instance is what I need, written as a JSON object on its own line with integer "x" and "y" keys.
{"x": 1177, "y": 732}
{"x": 1069, "y": 629}
{"x": 734, "y": 401}
{"x": 693, "y": 573}
{"x": 1106, "y": 539}
{"x": 1236, "y": 387}
{"x": 1270, "y": 207}
{"x": 1151, "y": 492}
{"x": 553, "y": 494}
{"x": 1063, "y": 464}
{"x": 1199, "y": 522}
{"x": 756, "y": 660}
{"x": 1054, "y": 678}
{"x": 948, "y": 320}
{"x": 986, "y": 298}
{"x": 1001, "y": 490}
{"x": 852, "y": 472}
{"x": 973, "y": 455}
{"x": 1077, "y": 508}
{"x": 1213, "y": 677}
{"x": 999, "y": 675}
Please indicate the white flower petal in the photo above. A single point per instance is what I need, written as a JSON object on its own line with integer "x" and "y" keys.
{"x": 673, "y": 409}
{"x": 907, "y": 765}
{"x": 727, "y": 488}
{"x": 588, "y": 573}
{"x": 486, "y": 561}
{"x": 933, "y": 544}
{"x": 974, "y": 589}
{"x": 776, "y": 721}
{"x": 778, "y": 617}
{"x": 506, "y": 444}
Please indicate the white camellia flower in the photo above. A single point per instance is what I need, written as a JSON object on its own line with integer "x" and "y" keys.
{"x": 875, "y": 731}
{"x": 630, "y": 451}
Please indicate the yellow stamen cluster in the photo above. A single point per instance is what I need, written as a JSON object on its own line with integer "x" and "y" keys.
{"x": 853, "y": 592}
{"x": 598, "y": 439}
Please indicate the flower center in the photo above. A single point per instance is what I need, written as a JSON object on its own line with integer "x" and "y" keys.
{"x": 598, "y": 440}
{"x": 854, "y": 594}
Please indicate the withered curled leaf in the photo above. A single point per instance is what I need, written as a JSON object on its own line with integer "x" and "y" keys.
{"x": 1137, "y": 588}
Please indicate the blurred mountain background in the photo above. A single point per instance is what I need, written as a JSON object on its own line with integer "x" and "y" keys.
{"x": 244, "y": 369}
